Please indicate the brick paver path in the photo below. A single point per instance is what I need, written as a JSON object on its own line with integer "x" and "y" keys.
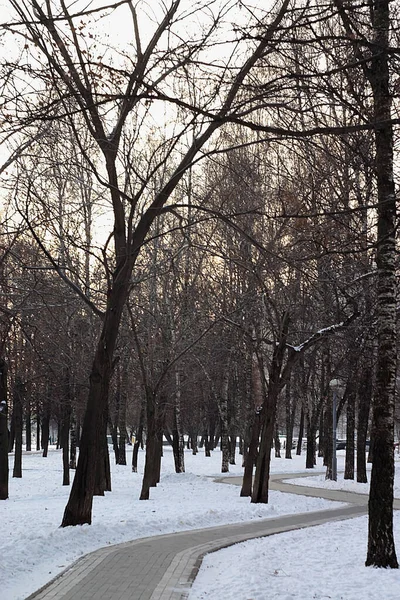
{"x": 163, "y": 567}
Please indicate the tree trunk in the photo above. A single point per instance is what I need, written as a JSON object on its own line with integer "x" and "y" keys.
{"x": 277, "y": 442}
{"x": 4, "y": 472}
{"x": 122, "y": 416}
{"x": 251, "y": 455}
{"x": 28, "y": 423}
{"x": 232, "y": 449}
{"x": 138, "y": 441}
{"x": 195, "y": 448}
{"x": 178, "y": 443}
{"x": 11, "y": 437}
{"x": 290, "y": 407}
{"x": 301, "y": 433}
{"x": 73, "y": 443}
{"x": 18, "y": 422}
{"x": 38, "y": 426}
{"x": 261, "y": 479}
{"x": 93, "y": 435}
{"x": 45, "y": 431}
{"x": 350, "y": 427}
{"x": 364, "y": 403}
{"x": 223, "y": 413}
{"x": 381, "y": 548}
{"x": 150, "y": 467}
{"x": 311, "y": 450}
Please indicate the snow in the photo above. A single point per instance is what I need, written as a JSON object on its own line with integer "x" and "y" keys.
{"x": 324, "y": 562}
{"x": 34, "y": 549}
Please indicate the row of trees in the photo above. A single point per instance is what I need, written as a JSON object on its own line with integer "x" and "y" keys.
{"x": 244, "y": 269}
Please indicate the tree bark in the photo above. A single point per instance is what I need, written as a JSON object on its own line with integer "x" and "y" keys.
{"x": 350, "y": 428}
{"x": 45, "y": 430}
{"x": 138, "y": 441}
{"x": 18, "y": 422}
{"x": 364, "y": 403}
{"x": 301, "y": 433}
{"x": 4, "y": 471}
{"x": 178, "y": 443}
{"x": 73, "y": 442}
{"x": 381, "y": 548}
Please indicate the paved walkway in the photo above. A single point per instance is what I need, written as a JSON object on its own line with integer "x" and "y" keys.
{"x": 163, "y": 567}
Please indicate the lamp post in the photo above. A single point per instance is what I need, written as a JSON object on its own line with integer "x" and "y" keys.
{"x": 335, "y": 385}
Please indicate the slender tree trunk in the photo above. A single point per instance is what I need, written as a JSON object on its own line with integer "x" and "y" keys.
{"x": 28, "y": 422}
{"x": 73, "y": 443}
{"x": 350, "y": 427}
{"x": 18, "y": 421}
{"x": 177, "y": 434}
{"x": 122, "y": 416}
{"x": 277, "y": 442}
{"x": 290, "y": 407}
{"x": 45, "y": 430}
{"x": 138, "y": 441}
{"x": 301, "y": 433}
{"x": 232, "y": 449}
{"x": 4, "y": 472}
{"x": 311, "y": 450}
{"x": 223, "y": 413}
{"x": 11, "y": 437}
{"x": 149, "y": 476}
{"x": 251, "y": 456}
{"x": 38, "y": 426}
{"x": 364, "y": 403}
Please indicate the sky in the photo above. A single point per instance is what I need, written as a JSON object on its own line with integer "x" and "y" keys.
{"x": 302, "y": 565}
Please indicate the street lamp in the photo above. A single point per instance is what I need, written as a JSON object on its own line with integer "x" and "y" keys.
{"x": 335, "y": 385}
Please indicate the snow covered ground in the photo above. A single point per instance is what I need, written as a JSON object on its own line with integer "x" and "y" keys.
{"x": 33, "y": 549}
{"x": 320, "y": 563}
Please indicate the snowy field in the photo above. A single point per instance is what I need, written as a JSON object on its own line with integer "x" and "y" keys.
{"x": 33, "y": 548}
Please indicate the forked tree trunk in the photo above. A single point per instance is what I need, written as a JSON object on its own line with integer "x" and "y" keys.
{"x": 275, "y": 384}
{"x": 93, "y": 435}
{"x": 4, "y": 472}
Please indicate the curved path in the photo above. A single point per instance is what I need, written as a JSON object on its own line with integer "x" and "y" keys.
{"x": 164, "y": 567}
